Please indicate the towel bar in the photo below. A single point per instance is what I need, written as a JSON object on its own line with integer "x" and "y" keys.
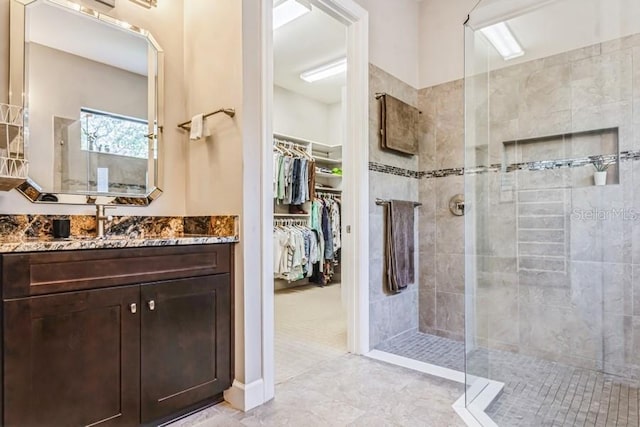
{"x": 231, "y": 112}
{"x": 381, "y": 94}
{"x": 381, "y": 202}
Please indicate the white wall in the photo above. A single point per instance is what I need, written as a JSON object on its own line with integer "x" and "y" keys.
{"x": 300, "y": 116}
{"x": 166, "y": 24}
{"x": 393, "y": 36}
{"x": 337, "y": 122}
{"x": 441, "y": 44}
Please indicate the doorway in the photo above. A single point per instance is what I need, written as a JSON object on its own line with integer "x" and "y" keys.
{"x": 309, "y": 116}
{"x": 353, "y": 298}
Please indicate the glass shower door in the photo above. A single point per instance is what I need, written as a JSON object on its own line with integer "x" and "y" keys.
{"x": 550, "y": 310}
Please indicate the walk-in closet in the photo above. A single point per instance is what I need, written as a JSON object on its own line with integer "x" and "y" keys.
{"x": 309, "y": 101}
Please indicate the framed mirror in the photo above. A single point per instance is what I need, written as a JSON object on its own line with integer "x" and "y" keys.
{"x": 92, "y": 91}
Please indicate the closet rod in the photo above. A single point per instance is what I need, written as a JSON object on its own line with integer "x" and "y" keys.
{"x": 330, "y": 195}
{"x": 381, "y": 202}
{"x": 288, "y": 144}
{"x": 290, "y": 222}
{"x": 329, "y": 189}
{"x": 284, "y": 215}
{"x": 231, "y": 112}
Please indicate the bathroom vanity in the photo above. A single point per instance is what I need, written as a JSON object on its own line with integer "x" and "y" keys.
{"x": 115, "y": 337}
{"x": 130, "y": 321}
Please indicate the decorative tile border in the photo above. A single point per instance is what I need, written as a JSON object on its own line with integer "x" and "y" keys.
{"x": 441, "y": 173}
{"x": 498, "y": 167}
{"x": 393, "y": 170}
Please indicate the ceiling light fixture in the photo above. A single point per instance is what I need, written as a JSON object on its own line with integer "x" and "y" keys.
{"x": 325, "y": 71}
{"x": 287, "y": 11}
{"x": 503, "y": 40}
{"x": 146, "y": 3}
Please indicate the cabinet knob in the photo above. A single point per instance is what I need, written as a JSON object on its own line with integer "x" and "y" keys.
{"x": 133, "y": 307}
{"x": 152, "y": 305}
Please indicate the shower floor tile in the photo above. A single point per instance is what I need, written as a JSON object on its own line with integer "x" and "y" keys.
{"x": 427, "y": 348}
{"x": 537, "y": 392}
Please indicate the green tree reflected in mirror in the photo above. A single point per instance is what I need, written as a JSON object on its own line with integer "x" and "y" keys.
{"x": 110, "y": 133}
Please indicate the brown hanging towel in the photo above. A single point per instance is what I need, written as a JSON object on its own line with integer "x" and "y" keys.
{"x": 398, "y": 125}
{"x": 399, "y": 245}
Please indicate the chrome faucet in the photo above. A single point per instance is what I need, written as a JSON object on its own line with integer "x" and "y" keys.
{"x": 101, "y": 218}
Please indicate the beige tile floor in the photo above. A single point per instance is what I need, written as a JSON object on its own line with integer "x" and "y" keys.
{"x": 347, "y": 391}
{"x": 318, "y": 384}
{"x": 310, "y": 327}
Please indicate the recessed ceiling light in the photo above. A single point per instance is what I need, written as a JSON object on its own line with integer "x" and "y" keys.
{"x": 503, "y": 40}
{"x": 325, "y": 71}
{"x": 287, "y": 11}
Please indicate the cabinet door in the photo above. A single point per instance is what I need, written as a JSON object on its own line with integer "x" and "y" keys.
{"x": 186, "y": 343}
{"x": 73, "y": 359}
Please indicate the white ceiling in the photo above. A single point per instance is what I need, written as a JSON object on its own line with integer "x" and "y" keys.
{"x": 564, "y": 25}
{"x": 310, "y": 41}
{"x": 71, "y": 32}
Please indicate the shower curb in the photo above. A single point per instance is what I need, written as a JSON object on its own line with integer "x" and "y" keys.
{"x": 486, "y": 390}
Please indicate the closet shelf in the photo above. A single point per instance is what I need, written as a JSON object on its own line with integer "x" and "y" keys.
{"x": 315, "y": 146}
{"x": 327, "y": 160}
{"x": 282, "y": 215}
{"x": 328, "y": 175}
{"x": 289, "y": 138}
{"x": 335, "y": 190}
{"x": 324, "y": 148}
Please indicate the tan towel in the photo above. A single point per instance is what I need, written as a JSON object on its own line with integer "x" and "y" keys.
{"x": 398, "y": 125}
{"x": 399, "y": 245}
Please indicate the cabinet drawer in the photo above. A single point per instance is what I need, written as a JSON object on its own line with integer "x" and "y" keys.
{"x": 40, "y": 273}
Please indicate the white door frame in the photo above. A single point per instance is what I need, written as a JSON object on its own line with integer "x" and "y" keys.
{"x": 355, "y": 271}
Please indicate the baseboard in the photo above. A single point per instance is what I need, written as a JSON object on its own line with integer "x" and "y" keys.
{"x": 245, "y": 397}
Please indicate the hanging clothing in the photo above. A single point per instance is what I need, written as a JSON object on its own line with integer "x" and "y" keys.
{"x": 293, "y": 174}
{"x": 336, "y": 231}
{"x": 311, "y": 173}
{"x": 326, "y": 222}
{"x": 326, "y": 231}
{"x": 295, "y": 251}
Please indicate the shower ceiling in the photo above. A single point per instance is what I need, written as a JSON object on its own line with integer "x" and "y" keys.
{"x": 561, "y": 26}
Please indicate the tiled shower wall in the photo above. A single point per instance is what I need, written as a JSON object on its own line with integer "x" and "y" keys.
{"x": 441, "y": 265}
{"x": 435, "y": 304}
{"x": 390, "y": 315}
{"x": 555, "y": 278}
{"x": 566, "y": 287}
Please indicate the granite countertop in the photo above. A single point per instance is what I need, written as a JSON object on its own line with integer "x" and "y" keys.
{"x": 41, "y": 244}
{"x": 33, "y": 233}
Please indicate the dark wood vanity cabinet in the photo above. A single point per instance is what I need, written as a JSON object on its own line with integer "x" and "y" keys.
{"x": 72, "y": 359}
{"x": 122, "y": 351}
{"x": 185, "y": 341}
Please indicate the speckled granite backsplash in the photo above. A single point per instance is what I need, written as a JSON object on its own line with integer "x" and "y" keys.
{"x": 35, "y": 226}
